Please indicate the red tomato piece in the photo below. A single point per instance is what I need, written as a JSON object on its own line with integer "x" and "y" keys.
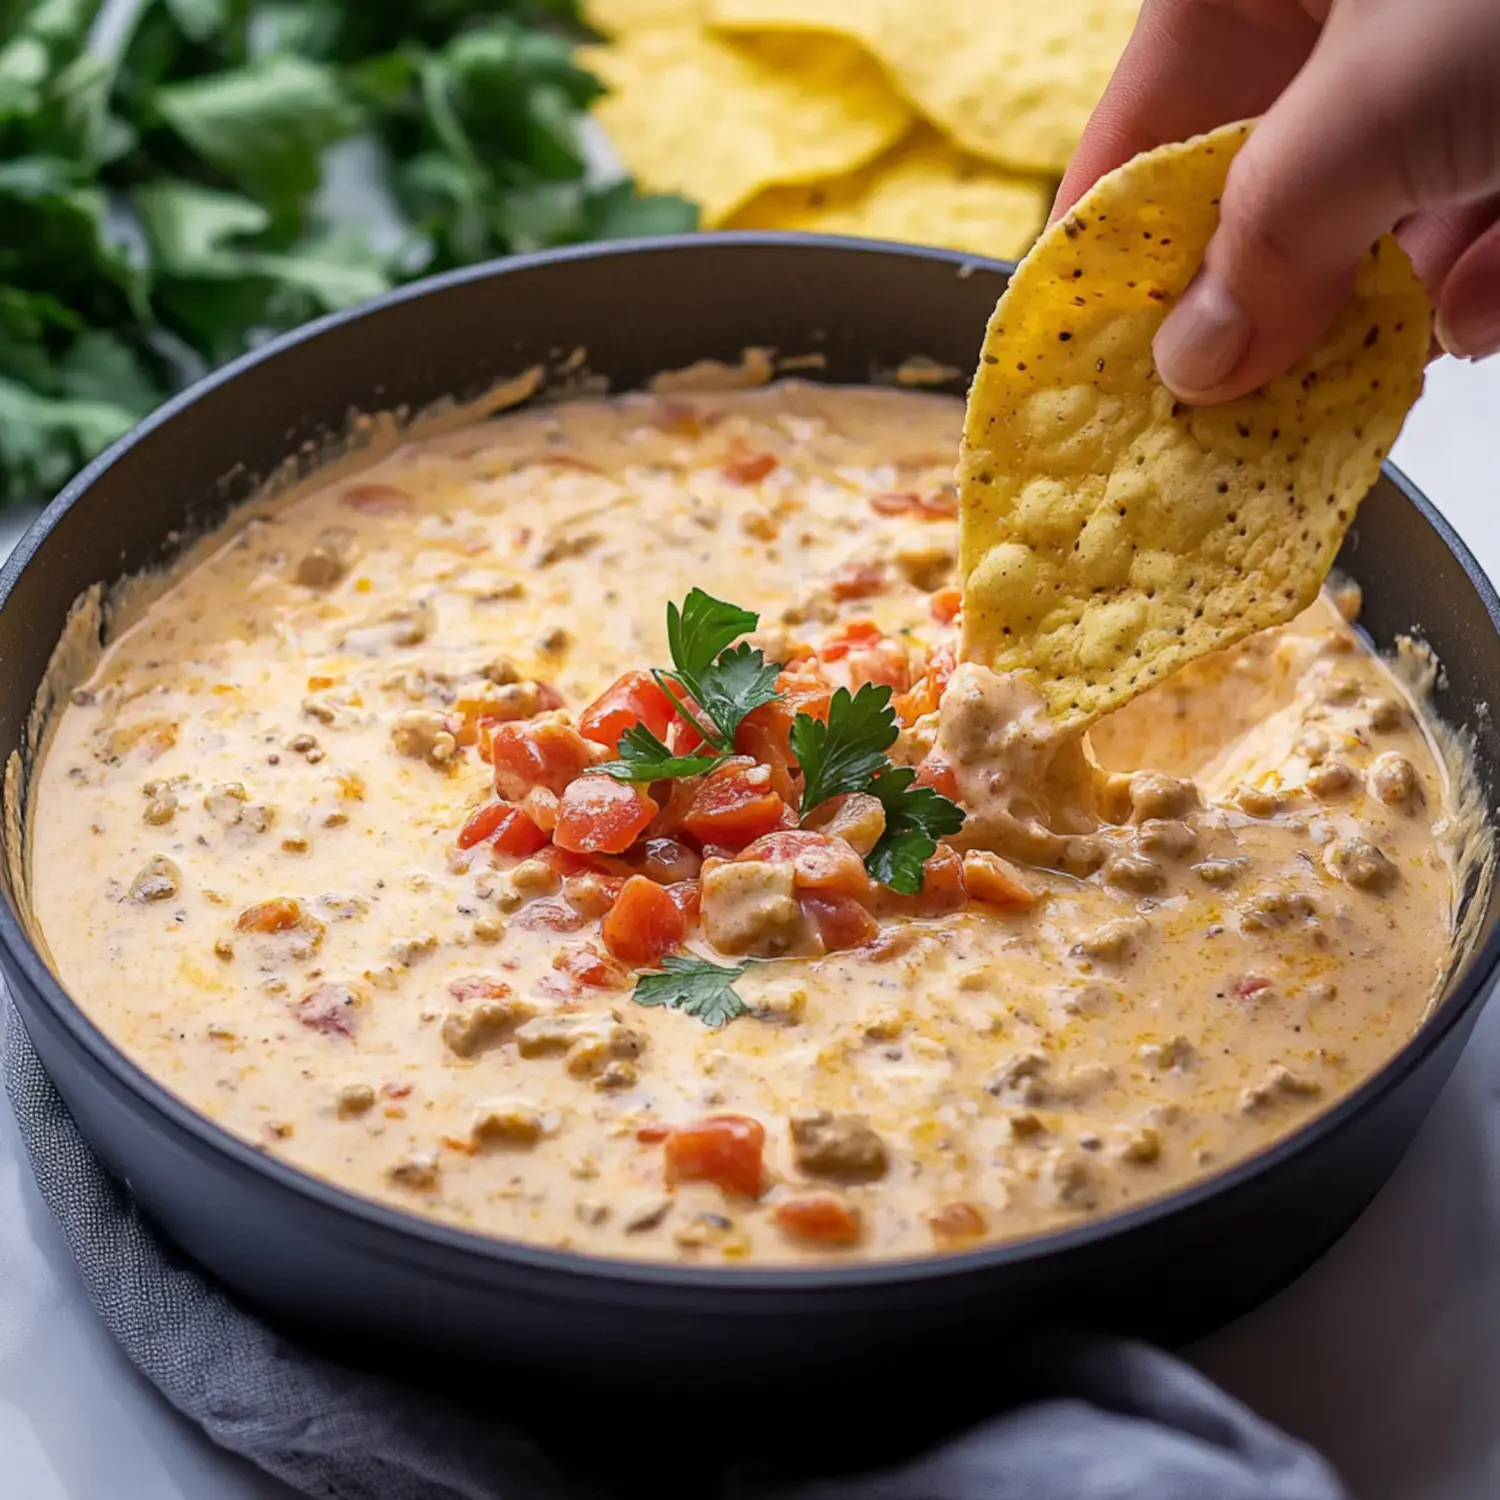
{"x": 566, "y": 862}
{"x": 722, "y": 1149}
{"x": 945, "y": 604}
{"x": 652, "y": 1135}
{"x": 478, "y": 987}
{"x": 841, "y": 921}
{"x": 629, "y": 700}
{"x": 644, "y": 923}
{"x": 600, "y": 813}
{"x": 482, "y": 823}
{"x": 841, "y": 642}
{"x": 688, "y": 896}
{"x": 857, "y": 580}
{"x": 518, "y": 836}
{"x": 527, "y": 755}
{"x": 749, "y": 468}
{"x": 895, "y": 502}
{"x": 592, "y": 892}
{"x": 884, "y": 664}
{"x": 591, "y": 968}
{"x": 540, "y": 806}
{"x": 943, "y": 888}
{"x": 819, "y": 1219}
{"x": 818, "y": 861}
{"x": 939, "y": 775}
{"x": 940, "y": 504}
{"x": 734, "y": 805}
{"x": 549, "y": 916}
{"x": 376, "y": 499}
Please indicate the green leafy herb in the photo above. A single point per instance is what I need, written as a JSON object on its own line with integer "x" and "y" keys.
{"x": 695, "y": 987}
{"x": 738, "y": 682}
{"x": 643, "y": 757}
{"x": 701, "y": 629}
{"x": 843, "y": 754}
{"x": 915, "y": 818}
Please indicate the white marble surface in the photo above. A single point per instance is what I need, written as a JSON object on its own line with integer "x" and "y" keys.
{"x": 1386, "y": 1354}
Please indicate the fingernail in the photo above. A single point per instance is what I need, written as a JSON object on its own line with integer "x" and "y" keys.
{"x": 1204, "y": 337}
{"x": 1472, "y": 337}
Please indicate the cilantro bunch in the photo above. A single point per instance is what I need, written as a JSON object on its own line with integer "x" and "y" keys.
{"x": 166, "y": 196}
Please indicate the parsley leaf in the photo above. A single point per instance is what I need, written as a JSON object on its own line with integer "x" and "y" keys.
{"x": 843, "y": 754}
{"x": 695, "y": 987}
{"x": 700, "y": 630}
{"x": 915, "y": 818}
{"x": 739, "y": 681}
{"x": 643, "y": 757}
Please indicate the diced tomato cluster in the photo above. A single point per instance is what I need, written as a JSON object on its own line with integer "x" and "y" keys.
{"x": 632, "y": 856}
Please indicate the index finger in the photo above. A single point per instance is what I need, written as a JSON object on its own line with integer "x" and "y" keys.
{"x": 1190, "y": 66}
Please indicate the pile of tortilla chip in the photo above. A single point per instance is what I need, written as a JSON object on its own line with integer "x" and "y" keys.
{"x": 937, "y": 123}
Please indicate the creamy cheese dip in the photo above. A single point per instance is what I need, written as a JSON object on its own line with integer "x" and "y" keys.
{"x": 1150, "y": 954}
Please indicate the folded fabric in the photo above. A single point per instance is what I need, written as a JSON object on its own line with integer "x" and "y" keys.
{"x": 1106, "y": 1420}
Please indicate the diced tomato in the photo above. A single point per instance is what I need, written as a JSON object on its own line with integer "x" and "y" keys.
{"x": 478, "y": 987}
{"x": 644, "y": 923}
{"x": 540, "y": 806}
{"x": 549, "y": 916}
{"x": 858, "y": 580}
{"x": 600, "y": 813}
{"x": 687, "y": 896}
{"x": 722, "y": 1149}
{"x": 842, "y": 921}
{"x": 592, "y": 892}
{"x": 939, "y": 775}
{"x": 945, "y": 604}
{"x": 927, "y": 693}
{"x": 630, "y": 700}
{"x": 591, "y": 968}
{"x": 819, "y": 1219}
{"x": 895, "y": 502}
{"x": 527, "y": 755}
{"x": 996, "y": 881}
{"x": 765, "y": 732}
{"x": 857, "y": 633}
{"x": 482, "y": 823}
{"x": 943, "y": 889}
{"x": 734, "y": 805}
{"x": 940, "y": 504}
{"x": 667, "y": 860}
{"x": 652, "y": 1135}
{"x": 884, "y": 664}
{"x": 819, "y": 862}
{"x": 376, "y": 499}
{"x": 749, "y": 468}
{"x": 957, "y": 1223}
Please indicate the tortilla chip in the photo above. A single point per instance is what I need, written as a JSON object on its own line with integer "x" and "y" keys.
{"x": 1110, "y": 534}
{"x": 1013, "y": 81}
{"x": 718, "y": 123}
{"x": 923, "y": 192}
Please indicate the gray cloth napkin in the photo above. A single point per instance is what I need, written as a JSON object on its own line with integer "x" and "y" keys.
{"x": 1108, "y": 1420}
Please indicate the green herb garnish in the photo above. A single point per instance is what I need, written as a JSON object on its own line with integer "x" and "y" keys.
{"x": 725, "y": 681}
{"x": 915, "y": 818}
{"x": 643, "y": 757}
{"x": 695, "y": 987}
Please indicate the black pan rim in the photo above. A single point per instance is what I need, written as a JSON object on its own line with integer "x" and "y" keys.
{"x": 404, "y": 1233}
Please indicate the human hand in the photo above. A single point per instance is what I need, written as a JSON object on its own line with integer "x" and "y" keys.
{"x": 1375, "y": 114}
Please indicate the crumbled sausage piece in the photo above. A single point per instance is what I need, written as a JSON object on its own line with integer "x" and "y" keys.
{"x": 406, "y": 951}
{"x": 342, "y": 906}
{"x": 161, "y": 808}
{"x": 1166, "y": 836}
{"x": 354, "y": 1099}
{"x": 158, "y": 879}
{"x": 1359, "y": 863}
{"x": 1021, "y": 1079}
{"x": 1275, "y": 906}
{"x": 1081, "y": 1082}
{"x": 329, "y": 558}
{"x": 617, "y": 1075}
{"x": 1153, "y": 795}
{"x": 506, "y": 1123}
{"x": 780, "y": 1007}
{"x": 588, "y": 1039}
{"x": 223, "y": 949}
{"x": 561, "y": 547}
{"x": 1140, "y": 1145}
{"x": 1112, "y": 941}
{"x": 750, "y": 906}
{"x": 841, "y": 1146}
{"x": 1340, "y": 692}
{"x": 1279, "y": 1084}
{"x": 1258, "y": 801}
{"x": 472, "y": 1029}
{"x": 424, "y": 734}
{"x": 857, "y": 818}
{"x": 1134, "y": 872}
{"x": 885, "y": 1025}
{"x": 226, "y": 802}
{"x": 1219, "y": 872}
{"x": 1385, "y": 714}
{"x": 1394, "y": 780}
{"x": 1175, "y": 1055}
{"x": 407, "y": 626}
{"x": 1067, "y": 1181}
{"x": 1312, "y": 744}
{"x": 590, "y": 1211}
{"x": 925, "y": 559}
{"x": 488, "y": 929}
{"x": 1331, "y": 779}
{"x": 419, "y": 1171}
{"x": 527, "y": 881}
{"x": 331, "y": 1009}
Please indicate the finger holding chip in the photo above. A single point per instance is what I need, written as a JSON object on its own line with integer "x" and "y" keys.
{"x": 1110, "y": 534}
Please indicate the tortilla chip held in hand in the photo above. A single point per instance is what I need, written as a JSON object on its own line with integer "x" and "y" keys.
{"x": 1111, "y": 534}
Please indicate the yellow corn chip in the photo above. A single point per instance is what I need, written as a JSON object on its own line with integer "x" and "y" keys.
{"x": 924, "y": 192}
{"x": 1010, "y": 80}
{"x": 1109, "y": 533}
{"x": 692, "y": 114}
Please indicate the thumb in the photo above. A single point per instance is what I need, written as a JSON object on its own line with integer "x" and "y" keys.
{"x": 1335, "y": 163}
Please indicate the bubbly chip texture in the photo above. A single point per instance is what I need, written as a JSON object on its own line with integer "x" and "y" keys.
{"x": 719, "y": 122}
{"x": 924, "y": 191}
{"x": 1111, "y": 534}
{"x": 1009, "y": 80}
